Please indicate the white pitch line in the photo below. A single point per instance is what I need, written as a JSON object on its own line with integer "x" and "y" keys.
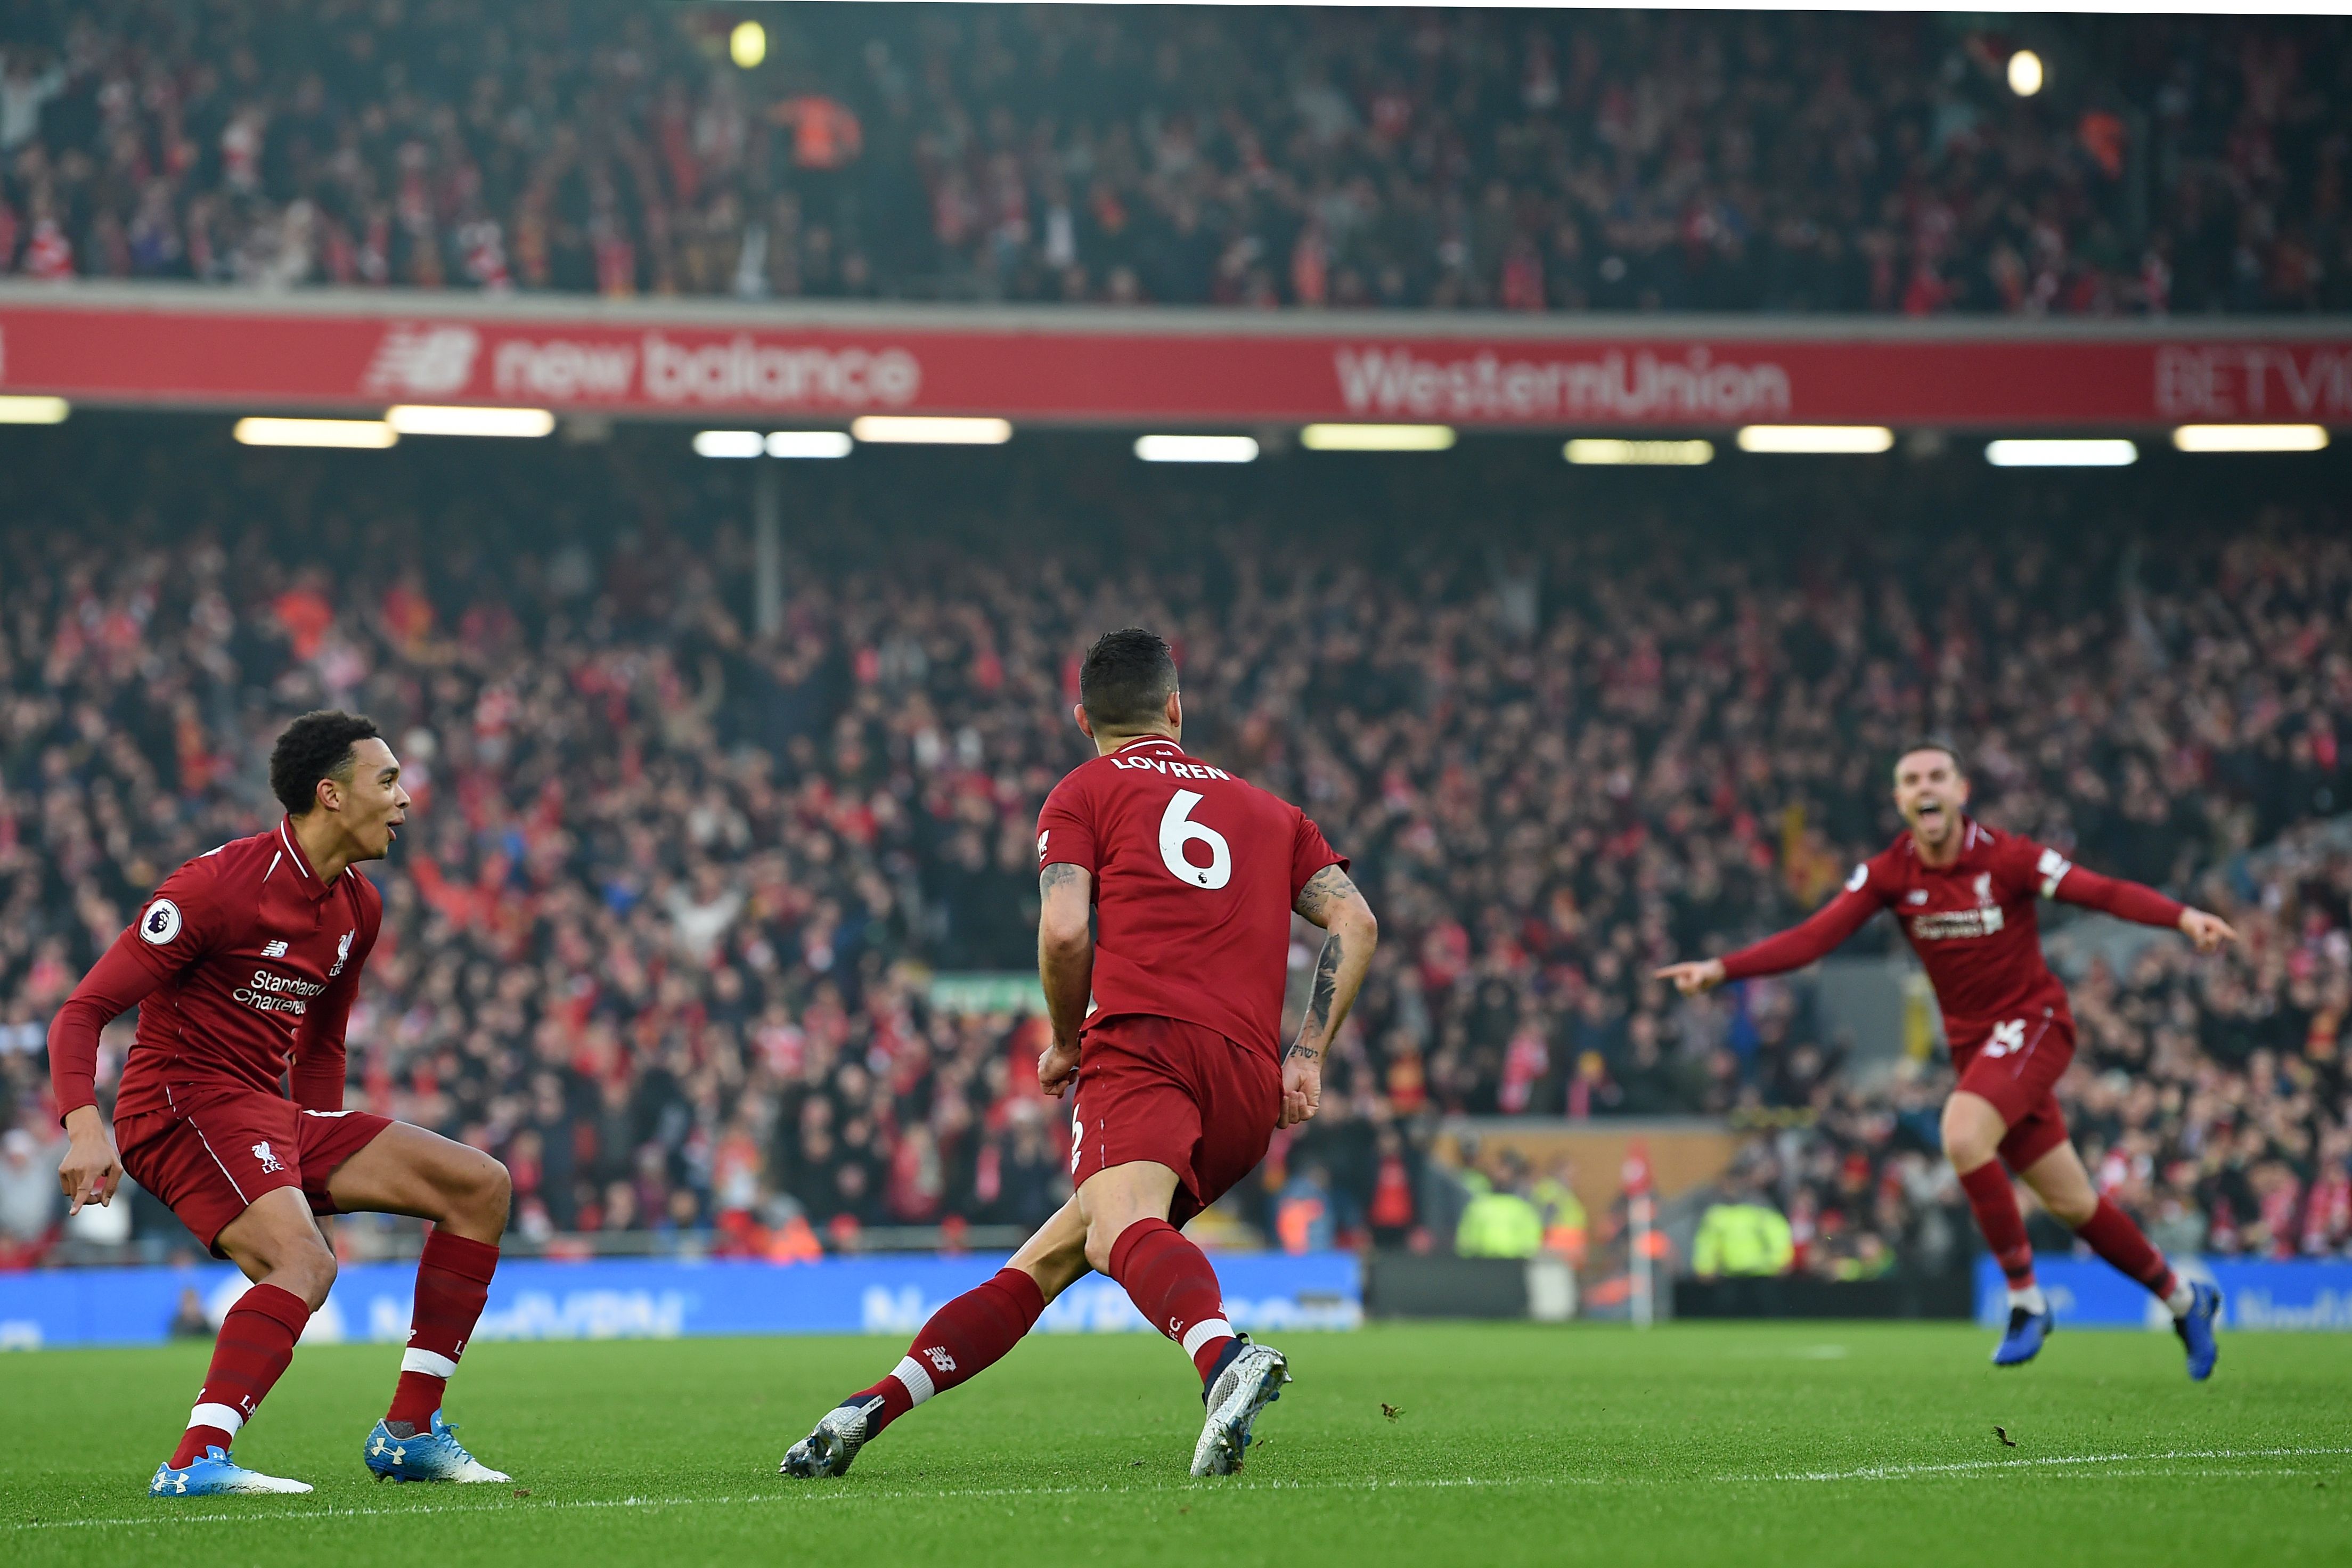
{"x": 164, "y": 1514}
{"x": 1967, "y": 1466}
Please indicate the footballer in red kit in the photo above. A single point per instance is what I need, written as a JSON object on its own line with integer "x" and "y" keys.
{"x": 243, "y": 966}
{"x": 1167, "y": 887}
{"x": 1964, "y": 895}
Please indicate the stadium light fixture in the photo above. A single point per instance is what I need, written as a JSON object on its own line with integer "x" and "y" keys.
{"x": 1196, "y": 449}
{"x": 809, "y": 443}
{"x": 425, "y": 419}
{"x": 1816, "y": 438}
{"x": 2025, "y": 73}
{"x": 2068, "y": 452}
{"x": 23, "y": 410}
{"x": 362, "y": 435}
{"x": 747, "y": 46}
{"x": 1609, "y": 452}
{"x": 1376, "y": 438}
{"x": 2107, "y": 453}
{"x": 729, "y": 443}
{"x": 2250, "y": 438}
{"x": 930, "y": 430}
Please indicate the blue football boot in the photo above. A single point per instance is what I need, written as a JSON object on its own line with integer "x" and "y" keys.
{"x": 216, "y": 1475}
{"x": 2196, "y": 1330}
{"x": 430, "y": 1455}
{"x": 2026, "y": 1332}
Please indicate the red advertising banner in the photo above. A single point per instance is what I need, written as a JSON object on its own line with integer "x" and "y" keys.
{"x": 762, "y": 364}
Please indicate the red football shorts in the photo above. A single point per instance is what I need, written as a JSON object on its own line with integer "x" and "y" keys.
{"x": 219, "y": 1149}
{"x": 1178, "y": 1094}
{"x": 2016, "y": 1067}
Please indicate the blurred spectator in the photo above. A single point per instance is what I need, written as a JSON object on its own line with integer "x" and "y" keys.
{"x": 1564, "y": 1227}
{"x": 1742, "y": 1234}
{"x": 1391, "y": 1211}
{"x": 188, "y": 1318}
{"x": 30, "y": 1207}
{"x": 1501, "y": 1221}
{"x": 1243, "y": 157}
{"x": 1303, "y": 1218}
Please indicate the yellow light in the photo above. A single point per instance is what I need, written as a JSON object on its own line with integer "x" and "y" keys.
{"x": 1607, "y": 451}
{"x": 2250, "y": 438}
{"x": 34, "y": 410}
{"x": 372, "y": 435}
{"x": 1816, "y": 438}
{"x": 1376, "y": 438}
{"x": 424, "y": 419}
{"x": 2025, "y": 73}
{"x": 920, "y": 430}
{"x": 747, "y": 46}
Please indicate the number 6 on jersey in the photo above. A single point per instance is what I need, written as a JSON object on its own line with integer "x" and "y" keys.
{"x": 1177, "y": 829}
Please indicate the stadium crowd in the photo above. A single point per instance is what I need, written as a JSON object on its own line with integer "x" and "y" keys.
{"x": 1250, "y": 157}
{"x": 668, "y": 933}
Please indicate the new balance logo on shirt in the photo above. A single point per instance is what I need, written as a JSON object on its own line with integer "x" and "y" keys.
{"x": 274, "y": 949}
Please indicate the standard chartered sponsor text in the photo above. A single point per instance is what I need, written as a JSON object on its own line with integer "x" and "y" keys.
{"x": 269, "y": 993}
{"x": 1613, "y": 385}
{"x": 740, "y": 371}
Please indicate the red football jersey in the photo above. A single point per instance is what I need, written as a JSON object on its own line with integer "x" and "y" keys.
{"x": 242, "y": 963}
{"x": 1195, "y": 872}
{"x": 1973, "y": 924}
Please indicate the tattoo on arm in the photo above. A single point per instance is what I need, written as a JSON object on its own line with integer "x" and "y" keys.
{"x": 1055, "y": 875}
{"x": 1318, "y": 1005}
{"x": 1322, "y": 890}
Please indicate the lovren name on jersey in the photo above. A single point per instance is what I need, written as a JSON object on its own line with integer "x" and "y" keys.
{"x": 1195, "y": 872}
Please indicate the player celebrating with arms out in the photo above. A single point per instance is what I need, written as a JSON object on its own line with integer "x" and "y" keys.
{"x": 1190, "y": 876}
{"x": 243, "y": 964}
{"x": 1964, "y": 895}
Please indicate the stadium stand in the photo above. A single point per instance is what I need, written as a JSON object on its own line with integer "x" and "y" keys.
{"x": 666, "y": 935}
{"x": 1567, "y": 162}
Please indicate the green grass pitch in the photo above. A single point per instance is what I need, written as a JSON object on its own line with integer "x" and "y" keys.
{"x": 1815, "y": 1444}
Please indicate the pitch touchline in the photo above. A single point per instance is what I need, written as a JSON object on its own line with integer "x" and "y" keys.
{"x": 1865, "y": 1473}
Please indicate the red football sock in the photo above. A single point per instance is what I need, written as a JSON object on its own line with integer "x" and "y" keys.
{"x": 2114, "y": 1236}
{"x": 1171, "y": 1284}
{"x": 257, "y": 1339}
{"x": 1997, "y": 1216}
{"x": 963, "y": 1339}
{"x": 453, "y": 1281}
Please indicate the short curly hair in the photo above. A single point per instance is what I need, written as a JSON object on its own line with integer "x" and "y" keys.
{"x": 316, "y": 746}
